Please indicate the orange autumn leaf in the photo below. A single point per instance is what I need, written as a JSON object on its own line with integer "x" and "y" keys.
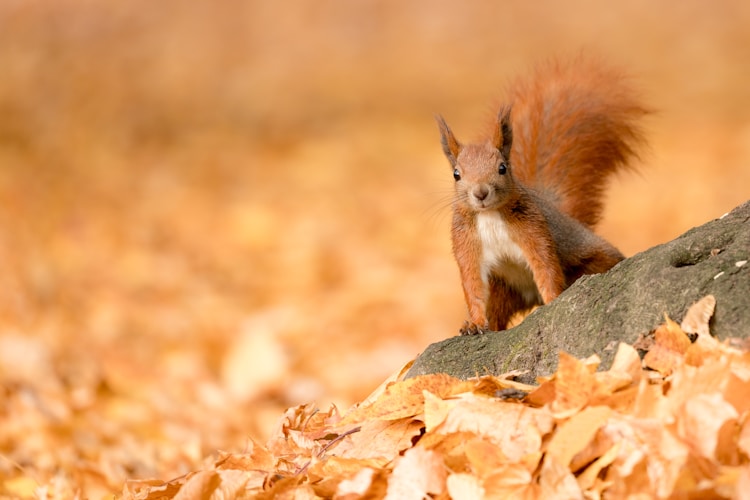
{"x": 570, "y": 389}
{"x": 256, "y": 457}
{"x": 213, "y": 484}
{"x": 484, "y": 456}
{"x": 518, "y": 430}
{"x": 406, "y": 399}
{"x": 556, "y": 481}
{"x": 670, "y": 346}
{"x": 511, "y": 481}
{"x": 378, "y": 439}
{"x": 418, "y": 474}
{"x": 737, "y": 389}
{"x": 587, "y": 479}
{"x": 576, "y": 433}
{"x": 700, "y": 421}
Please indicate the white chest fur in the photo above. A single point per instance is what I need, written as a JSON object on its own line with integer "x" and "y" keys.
{"x": 503, "y": 257}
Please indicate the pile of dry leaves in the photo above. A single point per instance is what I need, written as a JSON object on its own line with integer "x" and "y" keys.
{"x": 673, "y": 424}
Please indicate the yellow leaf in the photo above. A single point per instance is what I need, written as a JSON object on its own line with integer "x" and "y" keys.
{"x": 20, "y": 487}
{"x": 436, "y": 410}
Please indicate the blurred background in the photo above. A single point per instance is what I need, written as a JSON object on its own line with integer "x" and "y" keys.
{"x": 211, "y": 211}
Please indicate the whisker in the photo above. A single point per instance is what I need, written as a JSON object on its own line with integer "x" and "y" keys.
{"x": 437, "y": 210}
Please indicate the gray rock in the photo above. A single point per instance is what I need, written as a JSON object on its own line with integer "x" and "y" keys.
{"x": 599, "y": 311}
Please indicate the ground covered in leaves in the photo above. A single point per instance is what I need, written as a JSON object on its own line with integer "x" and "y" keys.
{"x": 673, "y": 425}
{"x": 211, "y": 212}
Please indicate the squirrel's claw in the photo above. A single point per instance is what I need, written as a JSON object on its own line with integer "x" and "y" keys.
{"x": 470, "y": 328}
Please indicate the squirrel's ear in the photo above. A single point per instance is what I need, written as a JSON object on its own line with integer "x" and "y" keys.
{"x": 502, "y": 138}
{"x": 451, "y": 147}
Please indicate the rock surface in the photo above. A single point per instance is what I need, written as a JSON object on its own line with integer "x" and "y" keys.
{"x": 599, "y": 311}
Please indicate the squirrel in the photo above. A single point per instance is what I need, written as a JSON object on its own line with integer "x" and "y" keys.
{"x": 528, "y": 197}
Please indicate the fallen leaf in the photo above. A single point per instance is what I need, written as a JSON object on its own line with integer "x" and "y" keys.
{"x": 256, "y": 457}
{"x": 511, "y": 481}
{"x": 484, "y": 457}
{"x": 700, "y": 420}
{"x": 737, "y": 388}
{"x": 627, "y": 361}
{"x": 650, "y": 458}
{"x": 396, "y": 376}
{"x": 556, "y": 481}
{"x": 576, "y": 433}
{"x": 463, "y": 485}
{"x": 742, "y": 487}
{"x": 518, "y": 430}
{"x": 379, "y": 439}
{"x": 698, "y": 315}
{"x": 417, "y": 474}
{"x": 574, "y": 384}
{"x": 436, "y": 409}
{"x": 670, "y": 346}
{"x": 202, "y": 484}
{"x": 357, "y": 486}
{"x": 406, "y": 399}
{"x": 490, "y": 385}
{"x": 588, "y": 477}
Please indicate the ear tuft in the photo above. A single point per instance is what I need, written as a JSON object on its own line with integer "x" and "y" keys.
{"x": 451, "y": 147}
{"x": 502, "y": 137}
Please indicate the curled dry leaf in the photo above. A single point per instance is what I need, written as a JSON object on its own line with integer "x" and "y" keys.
{"x": 573, "y": 386}
{"x": 698, "y": 315}
{"x": 670, "y": 345}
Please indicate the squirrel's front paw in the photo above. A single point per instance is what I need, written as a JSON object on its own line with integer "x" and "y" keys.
{"x": 470, "y": 328}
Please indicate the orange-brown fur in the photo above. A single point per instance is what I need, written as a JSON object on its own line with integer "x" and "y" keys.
{"x": 527, "y": 197}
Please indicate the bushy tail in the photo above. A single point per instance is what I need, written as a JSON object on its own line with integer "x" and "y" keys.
{"x": 574, "y": 125}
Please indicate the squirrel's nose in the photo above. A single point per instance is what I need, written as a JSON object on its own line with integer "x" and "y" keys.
{"x": 480, "y": 192}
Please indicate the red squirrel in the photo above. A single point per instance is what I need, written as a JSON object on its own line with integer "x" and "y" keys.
{"x": 527, "y": 198}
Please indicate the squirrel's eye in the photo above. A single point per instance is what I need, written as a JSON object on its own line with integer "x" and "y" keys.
{"x": 502, "y": 169}
{"x": 457, "y": 175}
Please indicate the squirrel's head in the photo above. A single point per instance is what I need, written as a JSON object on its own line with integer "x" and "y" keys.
{"x": 482, "y": 171}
